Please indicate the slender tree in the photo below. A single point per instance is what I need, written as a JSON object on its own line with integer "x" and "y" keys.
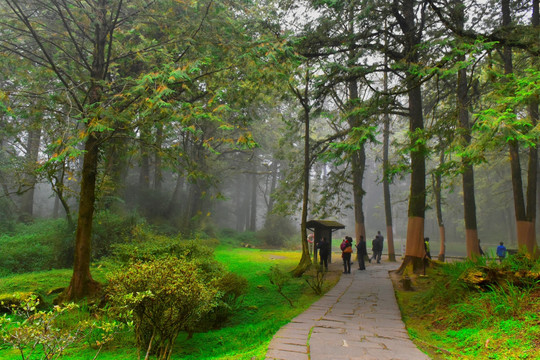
{"x": 412, "y": 29}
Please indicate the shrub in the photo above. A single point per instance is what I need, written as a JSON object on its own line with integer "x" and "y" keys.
{"x": 231, "y": 287}
{"x": 34, "y": 247}
{"x": 164, "y": 296}
{"x": 237, "y": 238}
{"x": 34, "y": 332}
{"x": 109, "y": 229}
{"x": 280, "y": 279}
{"x": 148, "y": 247}
{"x": 315, "y": 279}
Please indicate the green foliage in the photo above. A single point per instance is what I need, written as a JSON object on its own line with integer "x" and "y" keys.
{"x": 280, "y": 279}
{"x": 109, "y": 229}
{"x": 36, "y": 246}
{"x": 146, "y": 245}
{"x": 315, "y": 279}
{"x": 276, "y": 231}
{"x": 497, "y": 320}
{"x": 252, "y": 319}
{"x": 237, "y": 238}
{"x": 49, "y": 244}
{"x": 164, "y": 296}
{"x": 41, "y": 335}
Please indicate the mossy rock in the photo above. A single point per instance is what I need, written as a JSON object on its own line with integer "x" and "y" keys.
{"x": 14, "y": 300}
{"x": 474, "y": 277}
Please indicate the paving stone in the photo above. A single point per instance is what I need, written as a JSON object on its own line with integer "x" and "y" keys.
{"x": 277, "y": 342}
{"x": 285, "y": 355}
{"x": 292, "y": 334}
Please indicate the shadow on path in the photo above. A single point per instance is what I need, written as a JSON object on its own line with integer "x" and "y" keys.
{"x": 358, "y": 319}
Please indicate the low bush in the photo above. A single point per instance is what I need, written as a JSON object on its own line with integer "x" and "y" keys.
{"x": 164, "y": 296}
{"x": 149, "y": 251}
{"x": 110, "y": 229}
{"x": 34, "y": 247}
{"x": 37, "y": 334}
{"x": 241, "y": 239}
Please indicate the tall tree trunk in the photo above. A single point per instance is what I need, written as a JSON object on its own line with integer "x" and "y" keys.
{"x": 532, "y": 180}
{"x": 525, "y": 209}
{"x": 116, "y": 165}
{"x": 32, "y": 153}
{"x": 245, "y": 206}
{"x": 414, "y": 251}
{"x": 253, "y": 203}
{"x": 158, "y": 175}
{"x": 437, "y": 189}
{"x": 173, "y": 208}
{"x": 144, "y": 174}
{"x": 305, "y": 260}
{"x": 358, "y": 165}
{"x": 386, "y": 172}
{"x": 239, "y": 204}
{"x": 273, "y": 184}
{"x": 82, "y": 284}
{"x": 463, "y": 102}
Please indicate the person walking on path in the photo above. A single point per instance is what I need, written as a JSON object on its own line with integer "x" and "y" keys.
{"x": 377, "y": 247}
{"x": 501, "y": 251}
{"x": 361, "y": 252}
{"x": 324, "y": 251}
{"x": 346, "y": 252}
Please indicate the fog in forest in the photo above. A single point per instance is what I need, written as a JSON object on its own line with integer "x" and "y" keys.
{"x": 240, "y": 200}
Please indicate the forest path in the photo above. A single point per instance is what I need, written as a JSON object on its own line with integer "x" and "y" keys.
{"x": 358, "y": 319}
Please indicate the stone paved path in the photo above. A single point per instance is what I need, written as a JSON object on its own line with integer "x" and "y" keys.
{"x": 358, "y": 319}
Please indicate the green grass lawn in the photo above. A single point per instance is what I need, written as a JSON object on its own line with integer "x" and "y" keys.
{"x": 245, "y": 336}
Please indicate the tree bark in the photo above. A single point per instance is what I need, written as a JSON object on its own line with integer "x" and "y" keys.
{"x": 469, "y": 201}
{"x": 158, "y": 175}
{"x": 82, "y": 284}
{"x": 253, "y": 204}
{"x": 305, "y": 260}
{"x": 173, "y": 207}
{"x": 273, "y": 184}
{"x": 144, "y": 174}
{"x": 32, "y": 152}
{"x": 525, "y": 208}
{"x": 386, "y": 174}
{"x": 437, "y": 189}
{"x": 358, "y": 165}
{"x": 414, "y": 251}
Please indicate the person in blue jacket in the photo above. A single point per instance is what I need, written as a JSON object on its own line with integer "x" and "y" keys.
{"x": 501, "y": 251}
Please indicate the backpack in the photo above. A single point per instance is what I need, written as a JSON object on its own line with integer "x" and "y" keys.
{"x": 348, "y": 250}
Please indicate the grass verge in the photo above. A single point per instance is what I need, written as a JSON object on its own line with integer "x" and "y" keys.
{"x": 245, "y": 336}
{"x": 453, "y": 315}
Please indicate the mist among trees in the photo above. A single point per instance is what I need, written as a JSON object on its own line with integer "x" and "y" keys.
{"x": 416, "y": 118}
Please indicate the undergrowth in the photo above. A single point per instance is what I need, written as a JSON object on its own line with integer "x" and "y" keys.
{"x": 245, "y": 334}
{"x": 476, "y": 309}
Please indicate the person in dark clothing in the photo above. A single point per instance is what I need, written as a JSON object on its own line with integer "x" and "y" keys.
{"x": 346, "y": 252}
{"x": 324, "y": 251}
{"x": 361, "y": 252}
{"x": 426, "y": 247}
{"x": 377, "y": 248}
